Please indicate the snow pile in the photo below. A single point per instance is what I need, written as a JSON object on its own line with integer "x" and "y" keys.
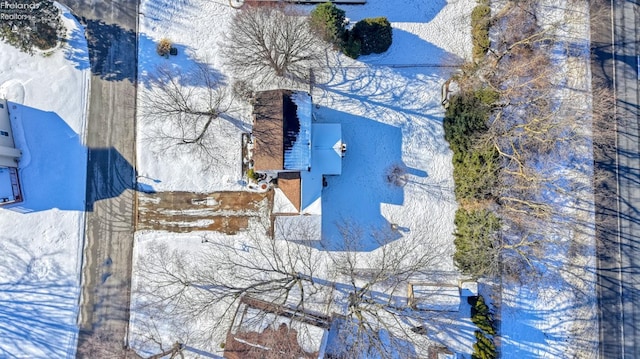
{"x": 41, "y": 239}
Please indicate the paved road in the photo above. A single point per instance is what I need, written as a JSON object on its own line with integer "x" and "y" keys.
{"x": 106, "y": 273}
{"x": 618, "y": 201}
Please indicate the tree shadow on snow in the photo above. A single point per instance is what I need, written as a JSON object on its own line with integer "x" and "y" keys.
{"x": 76, "y": 49}
{"x": 37, "y": 304}
{"x": 115, "y": 53}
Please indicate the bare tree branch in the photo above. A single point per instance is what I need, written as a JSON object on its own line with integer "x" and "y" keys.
{"x": 270, "y": 42}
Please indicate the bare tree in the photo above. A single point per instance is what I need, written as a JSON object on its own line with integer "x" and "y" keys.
{"x": 270, "y": 42}
{"x": 379, "y": 321}
{"x": 366, "y": 290}
{"x": 209, "y": 284}
{"x": 185, "y": 108}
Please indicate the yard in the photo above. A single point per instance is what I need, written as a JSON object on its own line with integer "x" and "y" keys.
{"x": 396, "y": 173}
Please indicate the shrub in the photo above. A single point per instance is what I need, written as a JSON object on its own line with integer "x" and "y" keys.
{"x": 487, "y": 96}
{"x": 163, "y": 47}
{"x": 397, "y": 175}
{"x": 476, "y": 173}
{"x": 480, "y": 24}
{"x": 475, "y": 166}
{"x": 375, "y": 35}
{"x": 481, "y": 316}
{"x": 480, "y": 13}
{"x": 252, "y": 175}
{"x": 484, "y": 348}
{"x": 464, "y": 119}
{"x": 329, "y": 21}
{"x": 474, "y": 242}
{"x": 351, "y": 45}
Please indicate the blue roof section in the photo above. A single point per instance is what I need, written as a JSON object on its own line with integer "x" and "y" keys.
{"x": 297, "y": 156}
{"x": 326, "y": 160}
{"x": 327, "y": 148}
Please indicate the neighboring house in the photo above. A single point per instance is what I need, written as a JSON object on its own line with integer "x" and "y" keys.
{"x": 10, "y": 191}
{"x": 289, "y": 146}
{"x": 265, "y": 330}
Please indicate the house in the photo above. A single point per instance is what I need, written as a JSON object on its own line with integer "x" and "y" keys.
{"x": 263, "y": 329}
{"x": 297, "y": 152}
{"x": 10, "y": 191}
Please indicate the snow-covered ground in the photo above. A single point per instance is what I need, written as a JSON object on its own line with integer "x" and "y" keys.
{"x": 553, "y": 313}
{"x": 41, "y": 238}
{"x": 389, "y": 108}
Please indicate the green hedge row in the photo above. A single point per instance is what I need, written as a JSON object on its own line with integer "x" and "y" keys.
{"x": 474, "y": 241}
{"x": 475, "y": 172}
{"x": 480, "y": 24}
{"x": 475, "y": 165}
{"x": 484, "y": 347}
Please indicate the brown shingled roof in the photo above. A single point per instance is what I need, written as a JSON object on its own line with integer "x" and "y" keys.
{"x": 289, "y": 183}
{"x": 268, "y": 112}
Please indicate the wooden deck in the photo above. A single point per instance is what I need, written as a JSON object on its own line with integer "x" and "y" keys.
{"x": 226, "y": 212}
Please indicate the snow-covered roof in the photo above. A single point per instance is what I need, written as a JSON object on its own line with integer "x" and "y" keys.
{"x": 326, "y": 154}
{"x": 8, "y": 153}
{"x": 298, "y": 228}
{"x": 282, "y": 204}
{"x": 297, "y": 156}
{"x": 326, "y": 159}
{"x": 282, "y": 131}
{"x": 290, "y": 186}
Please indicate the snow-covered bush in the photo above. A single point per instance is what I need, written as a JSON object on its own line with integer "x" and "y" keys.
{"x": 397, "y": 175}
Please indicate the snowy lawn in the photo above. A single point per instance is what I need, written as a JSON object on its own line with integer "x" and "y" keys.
{"x": 389, "y": 108}
{"x": 41, "y": 240}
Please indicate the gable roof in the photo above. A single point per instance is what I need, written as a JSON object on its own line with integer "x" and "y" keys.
{"x": 281, "y": 130}
{"x": 289, "y": 183}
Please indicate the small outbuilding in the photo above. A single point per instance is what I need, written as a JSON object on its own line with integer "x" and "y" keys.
{"x": 263, "y": 329}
